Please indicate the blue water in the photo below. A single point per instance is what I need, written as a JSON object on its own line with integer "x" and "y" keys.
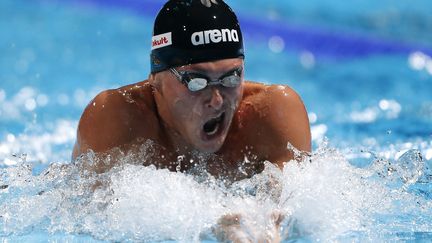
{"x": 364, "y": 71}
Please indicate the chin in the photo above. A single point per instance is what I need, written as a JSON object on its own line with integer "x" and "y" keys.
{"x": 210, "y": 144}
{"x": 209, "y": 148}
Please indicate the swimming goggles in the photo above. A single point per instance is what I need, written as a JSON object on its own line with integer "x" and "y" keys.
{"x": 196, "y": 82}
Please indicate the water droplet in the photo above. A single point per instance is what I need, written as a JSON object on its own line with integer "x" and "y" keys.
{"x": 179, "y": 162}
{"x": 276, "y": 44}
{"x": 417, "y": 60}
{"x": 307, "y": 59}
{"x": 30, "y": 104}
{"x": 42, "y": 100}
{"x": 10, "y": 138}
{"x": 410, "y": 166}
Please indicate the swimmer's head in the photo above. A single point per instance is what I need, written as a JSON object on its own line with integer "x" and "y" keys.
{"x": 194, "y": 31}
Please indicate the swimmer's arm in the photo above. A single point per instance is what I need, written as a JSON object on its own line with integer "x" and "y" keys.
{"x": 287, "y": 122}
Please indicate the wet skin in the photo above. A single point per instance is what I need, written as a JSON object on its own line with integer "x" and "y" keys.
{"x": 227, "y": 126}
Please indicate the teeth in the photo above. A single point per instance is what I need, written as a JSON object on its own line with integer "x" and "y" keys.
{"x": 214, "y": 131}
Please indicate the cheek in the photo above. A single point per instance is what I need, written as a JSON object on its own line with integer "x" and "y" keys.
{"x": 234, "y": 97}
{"x": 176, "y": 96}
{"x": 187, "y": 107}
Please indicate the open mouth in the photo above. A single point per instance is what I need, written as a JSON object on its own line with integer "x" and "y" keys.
{"x": 212, "y": 126}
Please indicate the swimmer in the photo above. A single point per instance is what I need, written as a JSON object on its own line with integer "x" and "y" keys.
{"x": 195, "y": 103}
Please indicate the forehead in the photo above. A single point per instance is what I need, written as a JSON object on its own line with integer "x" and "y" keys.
{"x": 219, "y": 66}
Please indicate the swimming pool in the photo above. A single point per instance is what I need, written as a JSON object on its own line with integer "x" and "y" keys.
{"x": 364, "y": 72}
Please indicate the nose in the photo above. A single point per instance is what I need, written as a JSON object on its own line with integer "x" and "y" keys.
{"x": 216, "y": 99}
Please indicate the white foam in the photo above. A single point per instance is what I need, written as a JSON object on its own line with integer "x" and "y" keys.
{"x": 367, "y": 115}
{"x": 323, "y": 198}
{"x": 14, "y": 108}
{"x": 54, "y": 144}
{"x": 318, "y": 132}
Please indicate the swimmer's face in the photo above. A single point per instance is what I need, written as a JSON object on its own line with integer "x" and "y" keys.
{"x": 202, "y": 118}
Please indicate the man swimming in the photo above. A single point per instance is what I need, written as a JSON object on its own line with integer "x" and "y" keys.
{"x": 195, "y": 104}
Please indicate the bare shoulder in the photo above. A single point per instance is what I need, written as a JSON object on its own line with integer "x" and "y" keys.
{"x": 117, "y": 117}
{"x": 271, "y": 93}
{"x": 273, "y": 101}
{"x": 280, "y": 117}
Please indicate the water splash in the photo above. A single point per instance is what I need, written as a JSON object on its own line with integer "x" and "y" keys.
{"x": 322, "y": 197}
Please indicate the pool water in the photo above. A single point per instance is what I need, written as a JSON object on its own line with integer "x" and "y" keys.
{"x": 364, "y": 71}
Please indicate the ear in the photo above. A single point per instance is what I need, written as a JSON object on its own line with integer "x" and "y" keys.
{"x": 151, "y": 77}
{"x": 155, "y": 82}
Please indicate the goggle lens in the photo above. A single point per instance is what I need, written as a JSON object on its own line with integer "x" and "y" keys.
{"x": 197, "y": 82}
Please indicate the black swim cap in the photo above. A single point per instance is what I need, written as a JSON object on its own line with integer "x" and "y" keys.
{"x": 193, "y": 31}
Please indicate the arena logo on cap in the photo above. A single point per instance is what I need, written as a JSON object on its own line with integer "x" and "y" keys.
{"x": 161, "y": 40}
{"x": 214, "y": 36}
